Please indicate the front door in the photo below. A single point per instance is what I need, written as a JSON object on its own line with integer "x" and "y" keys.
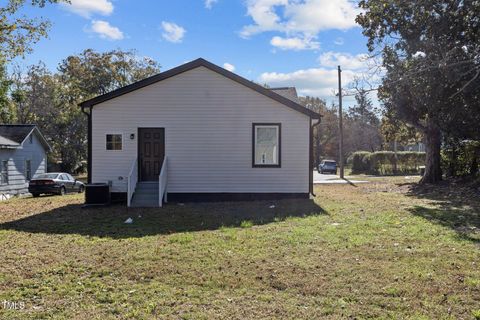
{"x": 151, "y": 151}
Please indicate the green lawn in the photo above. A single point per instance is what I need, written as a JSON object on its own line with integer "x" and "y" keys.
{"x": 386, "y": 249}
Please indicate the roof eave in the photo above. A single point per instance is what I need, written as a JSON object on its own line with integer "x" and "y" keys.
{"x": 189, "y": 66}
{"x": 42, "y": 139}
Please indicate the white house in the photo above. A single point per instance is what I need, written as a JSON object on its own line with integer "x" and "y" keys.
{"x": 199, "y": 133}
{"x": 23, "y": 154}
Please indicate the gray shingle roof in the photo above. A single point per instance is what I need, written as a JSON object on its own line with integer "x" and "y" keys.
{"x": 287, "y": 92}
{"x": 12, "y": 135}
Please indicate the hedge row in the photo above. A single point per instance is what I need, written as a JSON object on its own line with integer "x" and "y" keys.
{"x": 383, "y": 162}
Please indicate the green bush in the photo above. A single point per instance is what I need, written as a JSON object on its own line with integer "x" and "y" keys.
{"x": 385, "y": 162}
{"x": 359, "y": 161}
{"x": 461, "y": 158}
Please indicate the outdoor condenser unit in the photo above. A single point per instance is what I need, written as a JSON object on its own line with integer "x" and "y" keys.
{"x": 97, "y": 194}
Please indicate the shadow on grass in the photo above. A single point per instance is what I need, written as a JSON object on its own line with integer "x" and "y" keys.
{"x": 172, "y": 218}
{"x": 350, "y": 182}
{"x": 454, "y": 206}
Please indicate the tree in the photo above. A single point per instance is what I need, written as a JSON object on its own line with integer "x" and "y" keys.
{"x": 17, "y": 32}
{"x": 430, "y": 53}
{"x": 363, "y": 108}
{"x": 363, "y": 124}
{"x": 94, "y": 73}
{"x": 51, "y": 99}
{"x": 6, "y": 111}
{"x": 85, "y": 76}
{"x": 317, "y": 105}
{"x": 17, "y": 35}
{"x": 325, "y": 135}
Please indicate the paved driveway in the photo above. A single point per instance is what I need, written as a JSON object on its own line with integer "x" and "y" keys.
{"x": 332, "y": 179}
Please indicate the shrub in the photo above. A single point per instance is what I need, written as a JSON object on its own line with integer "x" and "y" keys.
{"x": 359, "y": 161}
{"x": 385, "y": 162}
{"x": 461, "y": 158}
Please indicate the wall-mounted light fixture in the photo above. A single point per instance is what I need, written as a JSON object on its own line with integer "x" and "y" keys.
{"x": 132, "y": 136}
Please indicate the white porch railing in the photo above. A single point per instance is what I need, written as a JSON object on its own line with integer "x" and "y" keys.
{"x": 132, "y": 181}
{"x": 162, "y": 183}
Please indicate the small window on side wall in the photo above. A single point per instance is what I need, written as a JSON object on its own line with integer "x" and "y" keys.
{"x": 28, "y": 170}
{"x": 114, "y": 142}
{"x": 4, "y": 172}
{"x": 266, "y": 145}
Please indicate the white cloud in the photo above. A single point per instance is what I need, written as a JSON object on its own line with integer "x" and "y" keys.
{"x": 322, "y": 81}
{"x": 209, "y": 3}
{"x": 345, "y": 60}
{"x": 319, "y": 82}
{"x": 106, "y": 31}
{"x": 230, "y": 67}
{"x": 306, "y": 17}
{"x": 86, "y": 8}
{"x": 294, "y": 43}
{"x": 172, "y": 32}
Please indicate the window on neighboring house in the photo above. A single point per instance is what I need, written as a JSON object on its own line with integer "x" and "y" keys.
{"x": 30, "y": 138}
{"x": 4, "y": 172}
{"x": 28, "y": 170}
{"x": 114, "y": 142}
{"x": 266, "y": 145}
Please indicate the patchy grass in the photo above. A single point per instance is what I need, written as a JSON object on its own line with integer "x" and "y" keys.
{"x": 385, "y": 250}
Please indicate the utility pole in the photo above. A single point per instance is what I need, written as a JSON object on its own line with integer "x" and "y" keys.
{"x": 340, "y": 121}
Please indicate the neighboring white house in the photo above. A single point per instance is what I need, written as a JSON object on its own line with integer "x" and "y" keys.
{"x": 23, "y": 154}
{"x": 202, "y": 133}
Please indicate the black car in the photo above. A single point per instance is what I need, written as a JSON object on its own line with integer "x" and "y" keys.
{"x": 327, "y": 166}
{"x": 54, "y": 183}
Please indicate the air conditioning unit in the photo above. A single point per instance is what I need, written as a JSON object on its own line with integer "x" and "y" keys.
{"x": 97, "y": 194}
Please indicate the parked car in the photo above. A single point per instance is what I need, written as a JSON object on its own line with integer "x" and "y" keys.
{"x": 327, "y": 166}
{"x": 54, "y": 183}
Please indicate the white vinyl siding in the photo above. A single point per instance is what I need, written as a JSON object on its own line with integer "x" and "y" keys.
{"x": 208, "y": 123}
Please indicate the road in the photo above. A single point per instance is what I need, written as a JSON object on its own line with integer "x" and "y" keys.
{"x": 331, "y": 179}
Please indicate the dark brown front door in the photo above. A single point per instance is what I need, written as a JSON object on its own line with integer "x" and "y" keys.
{"x": 151, "y": 151}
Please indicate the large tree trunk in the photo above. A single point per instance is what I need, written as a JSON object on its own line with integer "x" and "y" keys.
{"x": 433, "y": 141}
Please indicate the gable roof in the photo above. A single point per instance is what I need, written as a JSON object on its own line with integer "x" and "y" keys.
{"x": 287, "y": 92}
{"x": 12, "y": 136}
{"x": 195, "y": 64}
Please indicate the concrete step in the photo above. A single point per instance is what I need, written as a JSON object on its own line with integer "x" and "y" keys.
{"x": 145, "y": 196}
{"x": 144, "y": 204}
{"x": 146, "y": 191}
{"x": 149, "y": 186}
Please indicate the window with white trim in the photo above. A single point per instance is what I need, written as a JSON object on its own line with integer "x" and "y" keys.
{"x": 114, "y": 141}
{"x": 4, "y": 172}
{"x": 266, "y": 145}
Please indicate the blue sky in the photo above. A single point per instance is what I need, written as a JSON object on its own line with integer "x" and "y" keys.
{"x": 278, "y": 42}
